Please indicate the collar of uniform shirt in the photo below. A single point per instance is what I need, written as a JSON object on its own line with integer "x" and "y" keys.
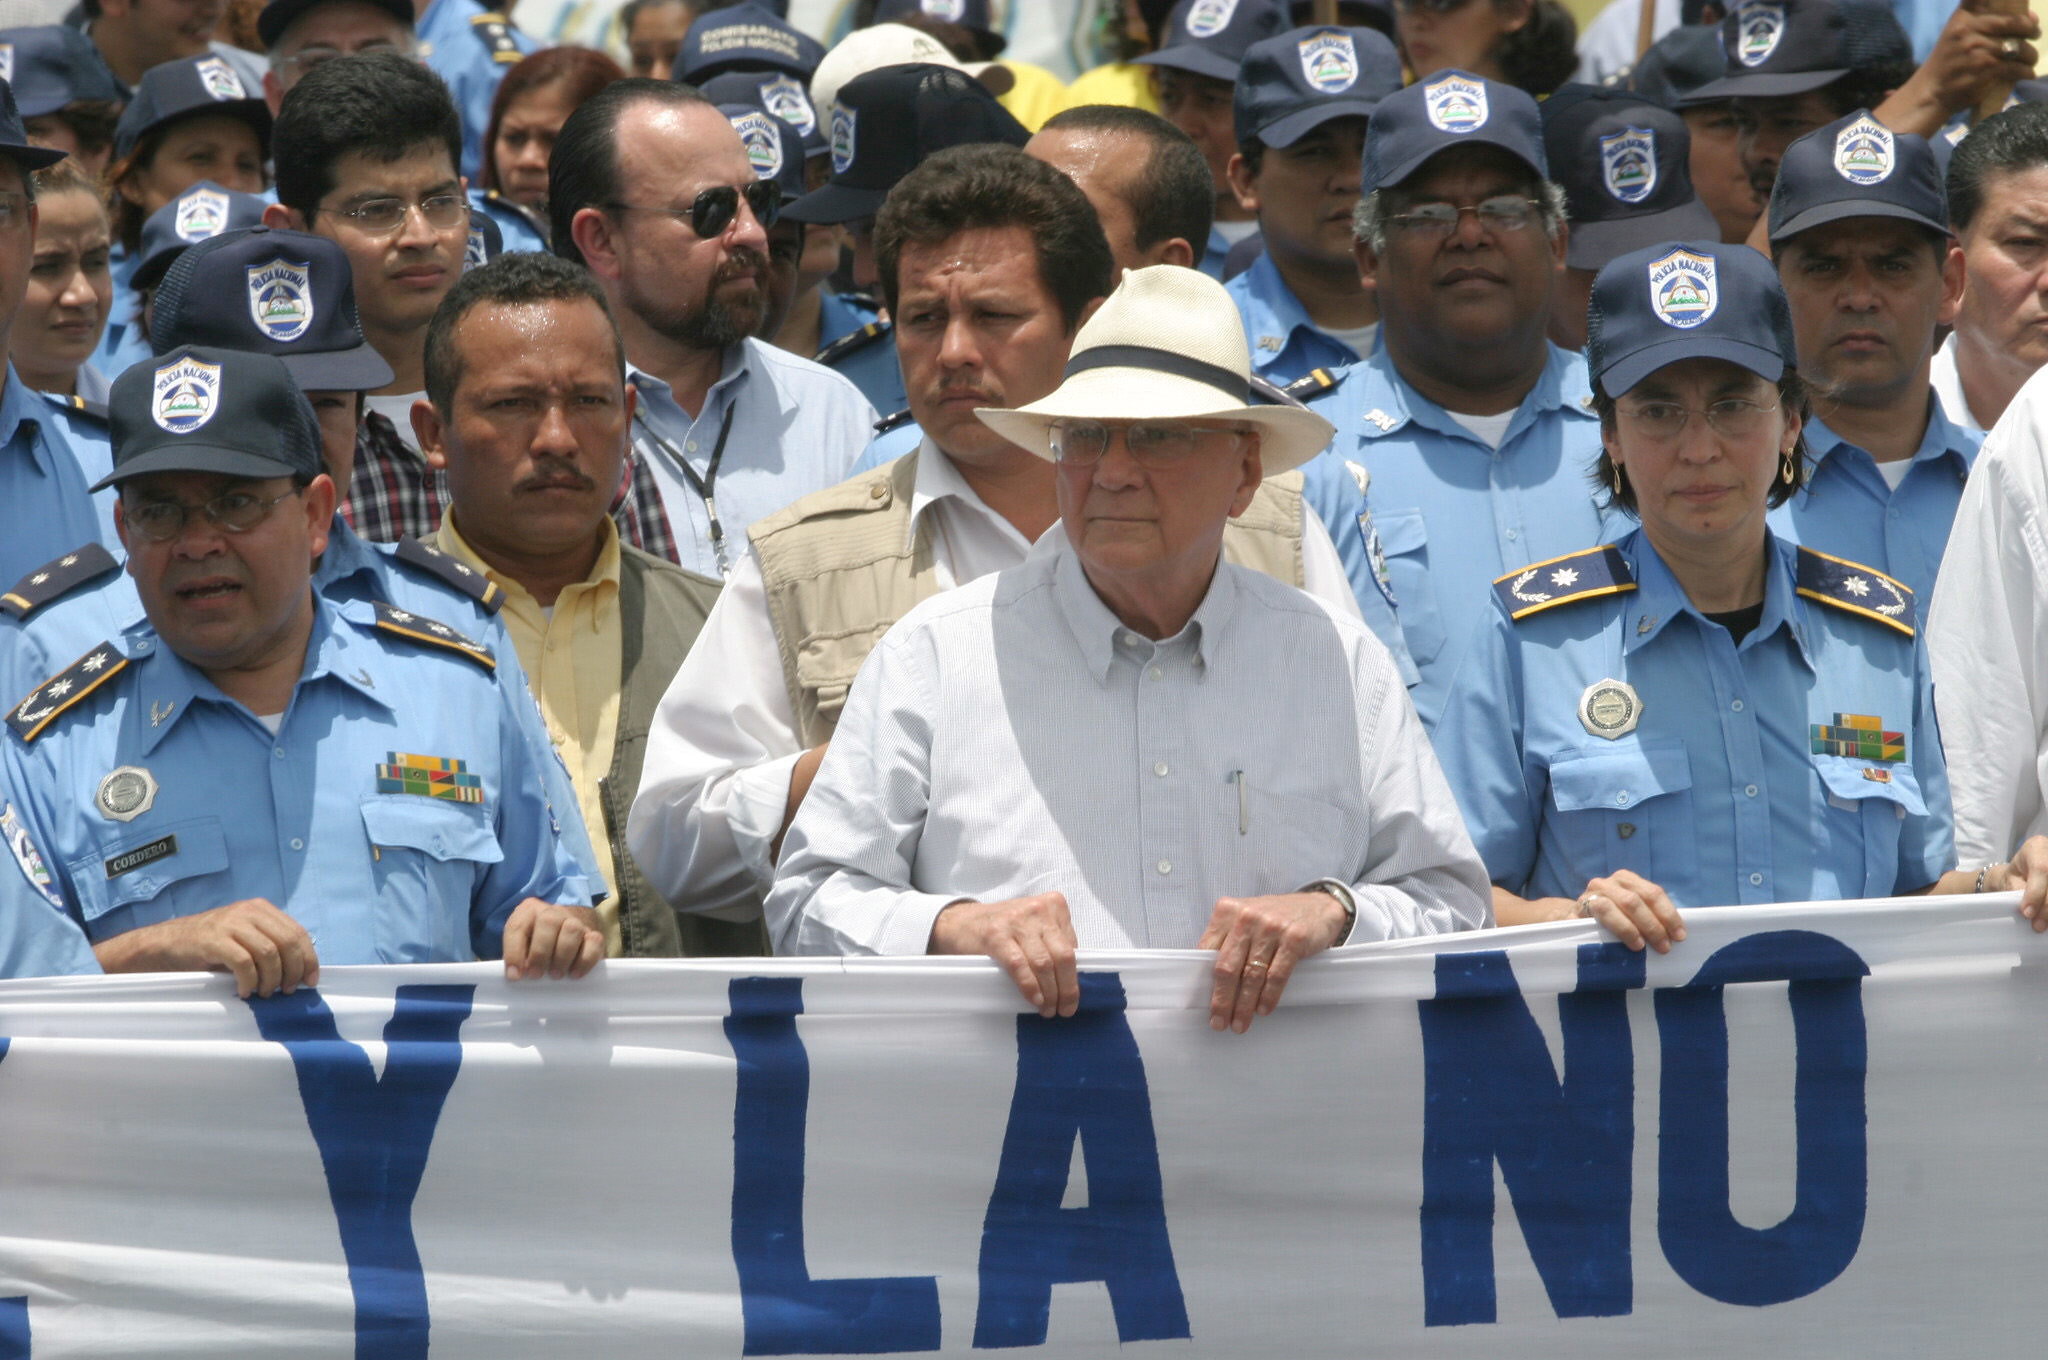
{"x": 18, "y": 415}
{"x": 1561, "y": 386}
{"x": 1658, "y": 598}
{"x": 602, "y": 581}
{"x": 1097, "y": 630}
{"x": 1942, "y": 440}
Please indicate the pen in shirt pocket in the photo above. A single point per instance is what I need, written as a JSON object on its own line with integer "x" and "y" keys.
{"x": 1244, "y": 815}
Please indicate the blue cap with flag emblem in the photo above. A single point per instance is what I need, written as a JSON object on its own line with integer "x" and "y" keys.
{"x": 1857, "y": 167}
{"x": 1446, "y": 109}
{"x": 1686, "y": 300}
{"x": 1292, "y": 84}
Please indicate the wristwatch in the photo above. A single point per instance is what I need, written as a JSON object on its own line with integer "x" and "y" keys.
{"x": 1339, "y": 889}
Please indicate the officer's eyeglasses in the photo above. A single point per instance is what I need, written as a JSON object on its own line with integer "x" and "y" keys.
{"x": 382, "y": 216}
{"x": 1081, "y": 443}
{"x": 714, "y": 209}
{"x": 1731, "y": 418}
{"x": 234, "y": 512}
{"x": 1435, "y": 221}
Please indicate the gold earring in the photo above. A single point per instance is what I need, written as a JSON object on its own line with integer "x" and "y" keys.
{"x": 1788, "y": 471}
{"x": 1614, "y": 477}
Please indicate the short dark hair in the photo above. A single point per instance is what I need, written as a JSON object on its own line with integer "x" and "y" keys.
{"x": 1174, "y": 195}
{"x": 381, "y": 104}
{"x": 1619, "y": 491}
{"x": 2003, "y": 144}
{"x": 90, "y": 121}
{"x": 579, "y": 72}
{"x": 511, "y": 280}
{"x": 1543, "y": 53}
{"x": 986, "y": 185}
{"x": 583, "y": 169}
{"x": 632, "y": 10}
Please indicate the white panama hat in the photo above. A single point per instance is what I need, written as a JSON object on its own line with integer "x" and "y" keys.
{"x": 1166, "y": 345}
{"x": 878, "y": 45}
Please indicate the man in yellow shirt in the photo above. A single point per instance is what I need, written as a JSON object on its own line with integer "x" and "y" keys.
{"x": 528, "y": 412}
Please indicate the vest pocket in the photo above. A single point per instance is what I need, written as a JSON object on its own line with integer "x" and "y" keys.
{"x": 825, "y": 667}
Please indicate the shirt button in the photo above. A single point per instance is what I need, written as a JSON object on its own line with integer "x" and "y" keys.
{"x": 1625, "y": 830}
{"x": 691, "y": 446}
{"x": 279, "y": 753}
{"x": 1511, "y": 535}
{"x": 551, "y": 645}
{"x": 1166, "y": 866}
{"x": 1160, "y": 769}
{"x": 1735, "y": 707}
{"x": 1749, "y": 790}
{"x": 1155, "y": 674}
{"x": 1621, "y": 799}
{"x": 298, "y": 844}
{"x": 878, "y": 490}
{"x": 1756, "y": 880}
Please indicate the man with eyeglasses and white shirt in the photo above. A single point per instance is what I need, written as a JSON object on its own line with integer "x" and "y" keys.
{"x": 1126, "y": 741}
{"x": 1465, "y": 443}
{"x": 653, "y": 191}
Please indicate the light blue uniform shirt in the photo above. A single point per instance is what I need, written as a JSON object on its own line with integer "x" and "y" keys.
{"x": 1285, "y": 343}
{"x": 1452, "y": 514}
{"x": 33, "y": 650}
{"x": 796, "y": 428}
{"x": 91, "y": 443}
{"x": 887, "y": 447}
{"x": 1717, "y": 795}
{"x": 876, "y": 371}
{"x": 307, "y": 819}
{"x": 124, "y": 341}
{"x": 514, "y": 226}
{"x": 45, "y": 509}
{"x": 1848, "y": 509}
{"x": 465, "y": 55}
{"x": 840, "y": 315}
{"x": 37, "y": 937}
{"x": 1214, "y": 254}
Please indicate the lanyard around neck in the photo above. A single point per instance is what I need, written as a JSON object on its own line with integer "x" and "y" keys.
{"x": 705, "y": 485}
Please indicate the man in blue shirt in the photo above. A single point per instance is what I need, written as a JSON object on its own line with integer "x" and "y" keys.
{"x": 1465, "y": 443}
{"x": 471, "y": 47}
{"x": 1859, "y": 233}
{"x": 253, "y": 779}
{"x": 44, "y": 507}
{"x": 1302, "y": 104}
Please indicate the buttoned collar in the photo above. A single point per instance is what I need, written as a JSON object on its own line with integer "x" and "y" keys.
{"x": 1388, "y": 403}
{"x": 1658, "y": 597}
{"x": 658, "y": 403}
{"x": 167, "y": 686}
{"x": 939, "y": 479}
{"x": 1101, "y": 635}
{"x": 1943, "y": 440}
{"x": 603, "y": 577}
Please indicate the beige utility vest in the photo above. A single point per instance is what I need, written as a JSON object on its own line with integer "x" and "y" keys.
{"x": 840, "y": 567}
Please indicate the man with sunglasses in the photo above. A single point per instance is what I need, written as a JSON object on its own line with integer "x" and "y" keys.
{"x": 652, "y": 189}
{"x": 1475, "y": 434}
{"x": 254, "y": 779}
{"x": 1127, "y": 741}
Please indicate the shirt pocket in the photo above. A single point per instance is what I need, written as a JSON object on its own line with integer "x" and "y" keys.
{"x": 1289, "y": 840}
{"x": 1404, "y": 538}
{"x": 1870, "y": 813}
{"x": 1626, "y": 808}
{"x": 148, "y": 875}
{"x": 429, "y": 857}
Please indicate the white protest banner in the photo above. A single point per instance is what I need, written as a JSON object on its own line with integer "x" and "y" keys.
{"x": 1806, "y": 1132}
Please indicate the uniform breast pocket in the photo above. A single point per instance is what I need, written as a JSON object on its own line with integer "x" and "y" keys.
{"x": 141, "y": 878}
{"x": 1867, "y": 811}
{"x": 430, "y": 857}
{"x": 1404, "y": 538}
{"x": 1628, "y": 808}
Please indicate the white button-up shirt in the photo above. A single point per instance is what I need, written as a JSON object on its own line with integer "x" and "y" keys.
{"x": 796, "y": 428}
{"x": 715, "y": 783}
{"x": 1986, "y": 634}
{"x": 1012, "y": 737}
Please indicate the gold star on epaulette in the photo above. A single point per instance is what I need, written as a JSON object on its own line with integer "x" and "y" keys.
{"x": 399, "y": 622}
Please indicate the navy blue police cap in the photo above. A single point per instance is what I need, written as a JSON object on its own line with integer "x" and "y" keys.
{"x": 51, "y": 66}
{"x": 1783, "y": 47}
{"x": 1857, "y": 167}
{"x": 1686, "y": 300}
{"x": 1210, "y": 37}
{"x": 14, "y": 142}
{"x": 1292, "y": 84}
{"x": 1624, "y": 165}
{"x": 199, "y": 213}
{"x": 1447, "y": 109}
{"x": 203, "y": 409}
{"x": 184, "y": 88}
{"x": 289, "y": 294}
{"x": 749, "y": 37}
{"x": 773, "y": 92}
{"x": 279, "y": 15}
{"x": 1680, "y": 64}
{"x": 773, "y": 147}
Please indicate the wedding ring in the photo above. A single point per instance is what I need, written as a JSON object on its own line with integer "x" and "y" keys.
{"x": 2010, "y": 47}
{"x": 1584, "y": 906}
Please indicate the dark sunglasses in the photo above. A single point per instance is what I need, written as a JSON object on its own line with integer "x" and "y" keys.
{"x": 714, "y": 209}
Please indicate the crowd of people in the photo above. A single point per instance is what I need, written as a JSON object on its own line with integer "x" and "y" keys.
{"x": 1297, "y": 484}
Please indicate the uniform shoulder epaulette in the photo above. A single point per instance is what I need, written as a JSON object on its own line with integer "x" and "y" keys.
{"x": 54, "y": 580}
{"x": 852, "y": 341}
{"x": 96, "y": 410}
{"x": 895, "y": 422}
{"x": 1564, "y": 580}
{"x": 1856, "y": 588}
{"x": 65, "y": 689}
{"x": 1314, "y": 384}
{"x": 495, "y": 32}
{"x": 403, "y": 623}
{"x": 458, "y": 575}
{"x": 518, "y": 210}
{"x": 867, "y": 302}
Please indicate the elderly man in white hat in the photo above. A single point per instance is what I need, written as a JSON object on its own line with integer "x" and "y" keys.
{"x": 1126, "y": 742}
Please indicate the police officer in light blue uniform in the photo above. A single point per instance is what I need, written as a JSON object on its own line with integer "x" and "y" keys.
{"x": 1701, "y": 713}
{"x": 1430, "y": 498}
{"x": 1859, "y": 233}
{"x": 517, "y": 228}
{"x": 1304, "y": 98}
{"x": 213, "y": 294}
{"x": 255, "y": 778}
{"x": 471, "y": 47}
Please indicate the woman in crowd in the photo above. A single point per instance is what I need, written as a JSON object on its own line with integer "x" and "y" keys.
{"x": 1526, "y": 43}
{"x": 190, "y": 120}
{"x": 1700, "y": 714}
{"x": 535, "y": 98}
{"x": 69, "y": 288}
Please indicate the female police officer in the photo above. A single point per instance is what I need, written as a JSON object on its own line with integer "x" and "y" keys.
{"x": 1700, "y": 714}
